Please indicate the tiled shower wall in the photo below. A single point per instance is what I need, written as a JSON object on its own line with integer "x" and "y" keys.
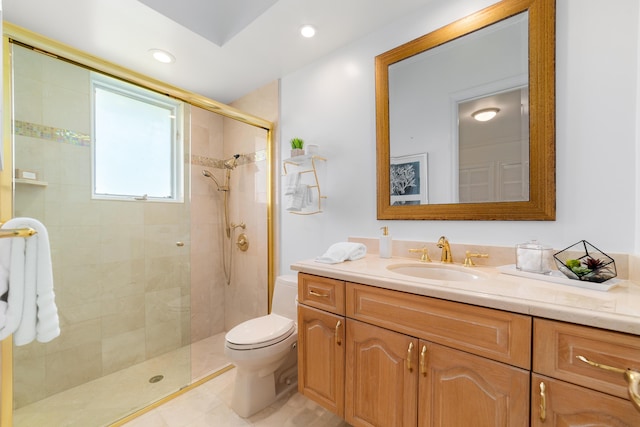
{"x": 122, "y": 282}
{"x": 246, "y": 297}
{"x": 216, "y": 306}
{"x": 207, "y": 280}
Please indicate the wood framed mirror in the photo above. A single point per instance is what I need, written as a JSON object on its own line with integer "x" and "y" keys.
{"x": 430, "y": 156}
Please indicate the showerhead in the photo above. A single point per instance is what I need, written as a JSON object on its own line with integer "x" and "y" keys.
{"x": 232, "y": 162}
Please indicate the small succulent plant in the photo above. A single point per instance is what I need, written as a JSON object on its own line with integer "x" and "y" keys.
{"x": 593, "y": 263}
{"x": 586, "y": 266}
{"x": 297, "y": 143}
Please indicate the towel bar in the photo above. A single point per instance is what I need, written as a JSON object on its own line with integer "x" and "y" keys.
{"x": 17, "y": 232}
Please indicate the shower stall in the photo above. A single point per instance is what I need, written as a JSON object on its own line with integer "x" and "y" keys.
{"x": 139, "y": 284}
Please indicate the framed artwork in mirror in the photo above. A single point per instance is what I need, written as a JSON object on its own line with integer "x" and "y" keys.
{"x": 409, "y": 184}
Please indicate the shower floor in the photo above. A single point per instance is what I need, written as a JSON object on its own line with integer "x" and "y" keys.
{"x": 100, "y": 402}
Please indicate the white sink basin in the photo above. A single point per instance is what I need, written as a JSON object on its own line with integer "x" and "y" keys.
{"x": 443, "y": 272}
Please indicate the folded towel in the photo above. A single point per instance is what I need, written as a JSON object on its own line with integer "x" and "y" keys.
{"x": 293, "y": 181}
{"x": 299, "y": 199}
{"x": 343, "y": 251}
{"x": 30, "y": 311}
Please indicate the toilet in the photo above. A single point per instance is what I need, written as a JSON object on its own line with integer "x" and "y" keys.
{"x": 264, "y": 351}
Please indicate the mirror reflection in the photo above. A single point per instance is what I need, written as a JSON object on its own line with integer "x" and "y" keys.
{"x": 435, "y": 159}
{"x": 441, "y": 150}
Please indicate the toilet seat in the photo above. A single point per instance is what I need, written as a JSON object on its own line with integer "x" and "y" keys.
{"x": 260, "y": 332}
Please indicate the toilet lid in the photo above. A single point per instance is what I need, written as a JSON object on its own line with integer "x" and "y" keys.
{"x": 265, "y": 330}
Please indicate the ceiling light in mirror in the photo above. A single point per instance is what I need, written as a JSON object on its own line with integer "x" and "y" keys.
{"x": 308, "y": 31}
{"x": 162, "y": 56}
{"x": 485, "y": 114}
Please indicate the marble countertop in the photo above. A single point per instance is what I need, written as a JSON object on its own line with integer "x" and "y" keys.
{"x": 616, "y": 309}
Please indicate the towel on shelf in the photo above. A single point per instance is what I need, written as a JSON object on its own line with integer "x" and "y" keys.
{"x": 26, "y": 278}
{"x": 292, "y": 183}
{"x": 343, "y": 251}
{"x": 299, "y": 199}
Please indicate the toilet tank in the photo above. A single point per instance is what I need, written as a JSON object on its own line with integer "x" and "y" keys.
{"x": 285, "y": 293}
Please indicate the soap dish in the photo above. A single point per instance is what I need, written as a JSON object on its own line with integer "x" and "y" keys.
{"x": 583, "y": 261}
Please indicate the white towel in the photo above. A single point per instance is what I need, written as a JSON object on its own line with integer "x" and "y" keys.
{"x": 299, "y": 199}
{"x": 30, "y": 311}
{"x": 343, "y": 251}
{"x": 293, "y": 181}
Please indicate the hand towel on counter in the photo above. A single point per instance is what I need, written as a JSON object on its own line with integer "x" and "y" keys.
{"x": 30, "y": 310}
{"x": 343, "y": 251}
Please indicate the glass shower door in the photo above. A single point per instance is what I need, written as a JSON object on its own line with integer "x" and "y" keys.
{"x": 121, "y": 268}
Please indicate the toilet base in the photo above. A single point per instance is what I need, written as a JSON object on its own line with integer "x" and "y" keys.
{"x": 252, "y": 392}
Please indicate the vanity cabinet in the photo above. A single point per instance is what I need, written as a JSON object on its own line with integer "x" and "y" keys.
{"x": 380, "y": 357}
{"x": 409, "y": 360}
{"x": 321, "y": 334}
{"x": 425, "y": 362}
{"x": 381, "y": 377}
{"x": 572, "y": 384}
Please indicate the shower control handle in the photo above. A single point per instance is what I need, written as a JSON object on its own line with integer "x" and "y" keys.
{"x": 243, "y": 242}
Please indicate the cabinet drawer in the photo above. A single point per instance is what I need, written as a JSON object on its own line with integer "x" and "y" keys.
{"x": 557, "y": 346}
{"x": 321, "y": 292}
{"x": 568, "y": 405}
{"x": 495, "y": 334}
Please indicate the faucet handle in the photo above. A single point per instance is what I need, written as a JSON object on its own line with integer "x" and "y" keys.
{"x": 468, "y": 259}
{"x": 425, "y": 253}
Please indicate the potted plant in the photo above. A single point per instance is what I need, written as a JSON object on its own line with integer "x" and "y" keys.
{"x": 297, "y": 145}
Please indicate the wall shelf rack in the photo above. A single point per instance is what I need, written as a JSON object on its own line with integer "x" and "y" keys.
{"x": 306, "y": 165}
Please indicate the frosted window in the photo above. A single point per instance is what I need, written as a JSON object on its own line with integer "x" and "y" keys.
{"x": 137, "y": 152}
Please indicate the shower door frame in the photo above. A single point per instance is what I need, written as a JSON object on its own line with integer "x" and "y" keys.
{"x": 19, "y": 35}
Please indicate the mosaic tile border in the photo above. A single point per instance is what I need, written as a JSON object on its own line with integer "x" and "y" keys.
{"x": 51, "y": 133}
{"x": 66, "y": 136}
{"x": 244, "y": 159}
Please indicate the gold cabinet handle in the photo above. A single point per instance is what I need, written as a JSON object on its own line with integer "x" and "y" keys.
{"x": 337, "y": 333}
{"x": 601, "y": 366}
{"x": 543, "y": 402}
{"x": 423, "y": 361}
{"x": 632, "y": 377}
{"x": 318, "y": 294}
{"x": 409, "y": 357}
{"x": 633, "y": 380}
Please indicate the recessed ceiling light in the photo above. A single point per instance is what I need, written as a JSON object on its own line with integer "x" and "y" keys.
{"x": 308, "y": 31}
{"x": 162, "y": 56}
{"x": 485, "y": 114}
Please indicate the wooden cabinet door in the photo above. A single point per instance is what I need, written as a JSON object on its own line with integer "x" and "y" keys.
{"x": 321, "y": 358}
{"x": 561, "y": 404}
{"x": 381, "y": 377}
{"x": 458, "y": 389}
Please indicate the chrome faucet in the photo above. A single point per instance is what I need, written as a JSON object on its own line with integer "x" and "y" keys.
{"x": 446, "y": 257}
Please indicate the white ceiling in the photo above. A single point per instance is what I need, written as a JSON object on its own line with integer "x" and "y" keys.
{"x": 222, "y": 52}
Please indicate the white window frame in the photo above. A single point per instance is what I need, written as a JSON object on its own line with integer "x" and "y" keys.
{"x": 101, "y": 81}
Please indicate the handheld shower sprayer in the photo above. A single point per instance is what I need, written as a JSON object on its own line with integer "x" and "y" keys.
{"x": 210, "y": 175}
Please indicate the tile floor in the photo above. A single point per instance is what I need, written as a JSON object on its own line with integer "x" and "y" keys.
{"x": 208, "y": 405}
{"x": 100, "y": 402}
